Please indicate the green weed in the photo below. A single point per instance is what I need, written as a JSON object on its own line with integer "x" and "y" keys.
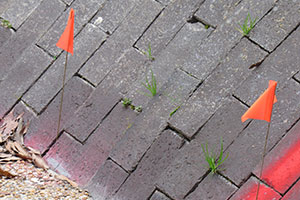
{"x": 126, "y": 102}
{"x": 247, "y": 26}
{"x": 6, "y": 23}
{"x": 174, "y": 111}
{"x": 150, "y": 86}
{"x": 149, "y": 53}
{"x": 211, "y": 158}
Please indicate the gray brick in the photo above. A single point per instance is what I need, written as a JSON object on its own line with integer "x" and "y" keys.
{"x": 107, "y": 180}
{"x": 33, "y": 28}
{"x": 165, "y": 2}
{"x": 118, "y": 44}
{"x": 297, "y": 76}
{"x": 275, "y": 26}
{"x": 124, "y": 73}
{"x": 171, "y": 58}
{"x": 92, "y": 112}
{"x": 152, "y": 121}
{"x": 112, "y": 14}
{"x": 216, "y": 12}
{"x": 28, "y": 68}
{"x": 190, "y": 165}
{"x": 250, "y": 143}
{"x": 4, "y": 4}
{"x": 159, "y": 196}
{"x": 157, "y": 158}
{"x": 5, "y": 35}
{"x": 204, "y": 59}
{"x": 42, "y": 130}
{"x": 69, "y": 2}
{"x": 257, "y": 82}
{"x": 18, "y": 12}
{"x": 163, "y": 29}
{"x": 93, "y": 154}
{"x": 280, "y": 66}
{"x": 48, "y": 85}
{"x": 84, "y": 11}
{"x": 215, "y": 89}
{"x": 213, "y": 187}
{"x": 22, "y": 108}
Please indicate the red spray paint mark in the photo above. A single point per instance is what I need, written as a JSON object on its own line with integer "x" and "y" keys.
{"x": 282, "y": 173}
{"x": 248, "y": 192}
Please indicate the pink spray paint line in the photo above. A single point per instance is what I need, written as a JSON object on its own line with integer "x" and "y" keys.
{"x": 282, "y": 173}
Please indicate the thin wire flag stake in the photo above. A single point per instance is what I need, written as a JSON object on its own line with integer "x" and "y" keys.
{"x": 262, "y": 110}
{"x": 65, "y": 42}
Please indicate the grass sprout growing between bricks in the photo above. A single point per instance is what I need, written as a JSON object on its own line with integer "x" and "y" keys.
{"x": 150, "y": 86}
{"x": 212, "y": 159}
{"x": 126, "y": 102}
{"x": 247, "y": 26}
{"x": 149, "y": 54}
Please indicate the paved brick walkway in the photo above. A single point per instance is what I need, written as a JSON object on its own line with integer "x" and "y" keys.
{"x": 201, "y": 64}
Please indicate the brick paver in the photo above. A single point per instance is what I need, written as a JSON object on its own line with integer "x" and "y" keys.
{"x": 281, "y": 168}
{"x": 294, "y": 193}
{"x": 107, "y": 180}
{"x": 251, "y": 141}
{"x": 215, "y": 89}
{"x": 89, "y": 39}
{"x": 204, "y": 87}
{"x": 43, "y": 129}
{"x": 282, "y": 19}
{"x": 159, "y": 196}
{"x": 190, "y": 166}
{"x": 33, "y": 28}
{"x": 140, "y": 183}
{"x": 212, "y": 187}
{"x": 18, "y": 12}
{"x": 249, "y": 189}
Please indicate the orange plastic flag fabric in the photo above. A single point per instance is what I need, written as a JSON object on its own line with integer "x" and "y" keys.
{"x": 262, "y": 107}
{"x": 65, "y": 41}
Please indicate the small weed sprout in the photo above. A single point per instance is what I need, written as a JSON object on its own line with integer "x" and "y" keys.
{"x": 152, "y": 86}
{"x": 126, "y": 102}
{"x": 149, "y": 53}
{"x": 247, "y": 26}
{"x": 138, "y": 108}
{"x": 6, "y": 23}
{"x": 211, "y": 158}
{"x": 174, "y": 111}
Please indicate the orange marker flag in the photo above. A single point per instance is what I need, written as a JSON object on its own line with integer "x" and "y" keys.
{"x": 65, "y": 41}
{"x": 262, "y": 107}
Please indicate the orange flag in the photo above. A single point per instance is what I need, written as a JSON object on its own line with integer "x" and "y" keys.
{"x": 65, "y": 41}
{"x": 262, "y": 107}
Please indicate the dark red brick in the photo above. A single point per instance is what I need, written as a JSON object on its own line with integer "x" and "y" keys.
{"x": 43, "y": 129}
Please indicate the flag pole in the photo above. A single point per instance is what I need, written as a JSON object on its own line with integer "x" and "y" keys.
{"x": 62, "y": 96}
{"x": 263, "y": 159}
